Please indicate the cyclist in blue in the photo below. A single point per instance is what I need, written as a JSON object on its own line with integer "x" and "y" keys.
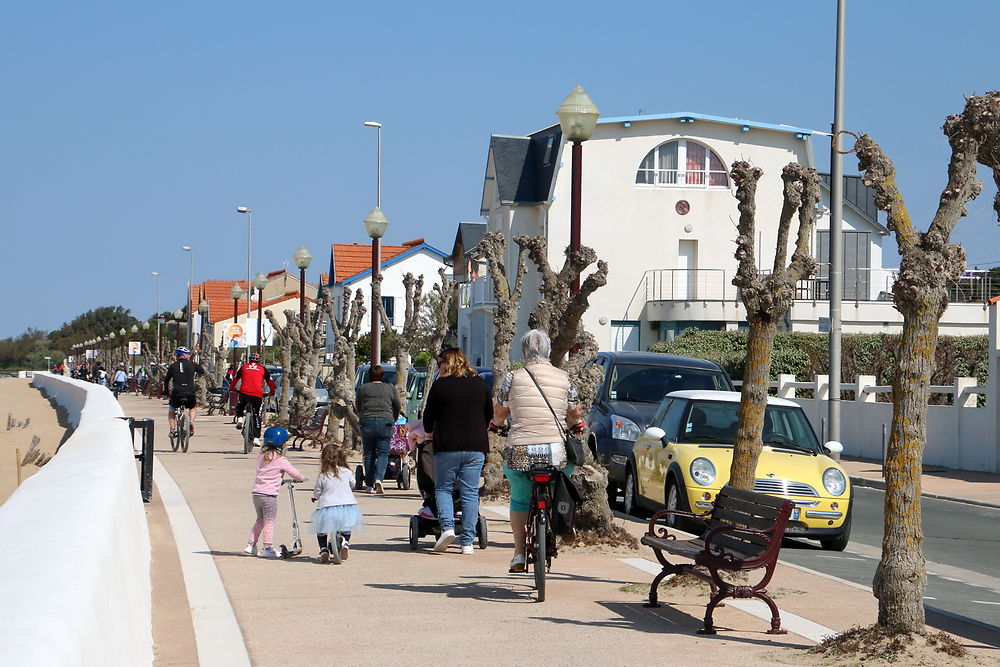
{"x": 182, "y": 372}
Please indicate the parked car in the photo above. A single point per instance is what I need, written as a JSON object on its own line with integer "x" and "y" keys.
{"x": 683, "y": 459}
{"x": 276, "y": 372}
{"x": 417, "y": 383}
{"x": 634, "y": 383}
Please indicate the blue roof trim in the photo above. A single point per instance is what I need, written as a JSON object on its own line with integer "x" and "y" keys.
{"x": 715, "y": 119}
{"x": 397, "y": 258}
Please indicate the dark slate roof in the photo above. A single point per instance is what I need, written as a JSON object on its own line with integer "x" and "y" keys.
{"x": 525, "y": 165}
{"x": 858, "y": 196}
{"x": 469, "y": 235}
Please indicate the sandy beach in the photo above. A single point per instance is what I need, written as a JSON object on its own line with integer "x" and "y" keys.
{"x": 23, "y": 404}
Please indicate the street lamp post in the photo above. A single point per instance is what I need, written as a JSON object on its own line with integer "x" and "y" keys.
{"x": 145, "y": 354}
{"x": 178, "y": 316}
{"x": 378, "y": 162}
{"x": 302, "y": 258}
{"x": 237, "y": 293}
{"x": 187, "y": 299}
{"x": 203, "y": 311}
{"x": 159, "y": 319}
{"x": 578, "y": 118}
{"x": 122, "y": 333}
{"x": 260, "y": 282}
{"x": 245, "y": 210}
{"x": 375, "y": 226}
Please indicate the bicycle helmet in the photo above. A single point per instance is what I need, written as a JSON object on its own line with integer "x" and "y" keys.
{"x": 275, "y": 436}
{"x": 182, "y": 350}
{"x": 255, "y": 357}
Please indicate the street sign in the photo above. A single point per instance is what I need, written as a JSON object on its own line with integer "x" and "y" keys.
{"x": 824, "y": 325}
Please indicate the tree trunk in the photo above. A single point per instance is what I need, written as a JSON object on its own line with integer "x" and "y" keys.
{"x": 753, "y": 401}
{"x": 286, "y": 378}
{"x": 900, "y": 579}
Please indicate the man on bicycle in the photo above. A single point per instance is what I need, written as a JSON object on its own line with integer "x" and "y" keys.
{"x": 182, "y": 372}
{"x": 251, "y": 377}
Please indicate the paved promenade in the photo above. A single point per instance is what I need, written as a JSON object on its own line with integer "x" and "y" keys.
{"x": 387, "y": 604}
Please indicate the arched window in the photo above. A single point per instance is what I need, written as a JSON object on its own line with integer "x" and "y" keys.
{"x": 682, "y": 163}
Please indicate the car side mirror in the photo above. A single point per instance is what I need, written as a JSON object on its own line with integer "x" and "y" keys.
{"x": 834, "y": 448}
{"x": 656, "y": 433}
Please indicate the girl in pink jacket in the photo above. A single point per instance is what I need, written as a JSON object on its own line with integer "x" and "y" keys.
{"x": 271, "y": 468}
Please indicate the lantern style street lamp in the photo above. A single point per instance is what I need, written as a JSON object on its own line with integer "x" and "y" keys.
{"x": 260, "y": 282}
{"x": 302, "y": 259}
{"x": 178, "y": 316}
{"x": 578, "y": 118}
{"x": 236, "y": 292}
{"x": 245, "y": 210}
{"x": 203, "y": 311}
{"x": 375, "y": 225}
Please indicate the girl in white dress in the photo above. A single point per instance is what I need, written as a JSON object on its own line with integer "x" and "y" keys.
{"x": 337, "y": 510}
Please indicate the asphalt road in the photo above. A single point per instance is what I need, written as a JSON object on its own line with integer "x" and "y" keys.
{"x": 961, "y": 545}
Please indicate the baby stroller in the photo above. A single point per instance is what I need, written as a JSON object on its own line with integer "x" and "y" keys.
{"x": 425, "y": 522}
{"x": 400, "y": 467}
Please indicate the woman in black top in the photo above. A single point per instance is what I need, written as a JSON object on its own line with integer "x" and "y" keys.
{"x": 458, "y": 411}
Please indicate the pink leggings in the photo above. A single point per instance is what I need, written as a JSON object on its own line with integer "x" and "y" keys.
{"x": 267, "y": 512}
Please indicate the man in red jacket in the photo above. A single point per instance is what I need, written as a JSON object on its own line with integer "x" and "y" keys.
{"x": 251, "y": 378}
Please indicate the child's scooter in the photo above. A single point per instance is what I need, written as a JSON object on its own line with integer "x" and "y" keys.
{"x": 296, "y": 538}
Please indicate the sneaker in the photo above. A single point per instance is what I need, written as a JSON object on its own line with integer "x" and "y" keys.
{"x": 269, "y": 552}
{"x": 378, "y": 487}
{"x": 192, "y": 428}
{"x": 239, "y": 423}
{"x": 447, "y": 537}
{"x": 517, "y": 564}
{"x": 467, "y": 550}
{"x": 324, "y": 556}
{"x": 173, "y": 433}
{"x": 250, "y": 549}
{"x": 256, "y": 442}
{"x": 345, "y": 550}
{"x": 426, "y": 513}
{"x": 367, "y": 489}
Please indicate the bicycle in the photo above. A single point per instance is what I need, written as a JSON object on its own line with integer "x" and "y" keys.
{"x": 251, "y": 426}
{"x": 183, "y": 433}
{"x": 540, "y": 540}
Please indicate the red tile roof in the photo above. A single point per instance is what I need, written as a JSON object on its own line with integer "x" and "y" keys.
{"x": 220, "y": 303}
{"x": 350, "y": 259}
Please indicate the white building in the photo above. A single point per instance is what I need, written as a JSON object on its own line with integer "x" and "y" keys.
{"x": 351, "y": 266}
{"x": 658, "y": 207}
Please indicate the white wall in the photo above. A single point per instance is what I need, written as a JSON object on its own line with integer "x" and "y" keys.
{"x": 74, "y": 567}
{"x": 424, "y": 263}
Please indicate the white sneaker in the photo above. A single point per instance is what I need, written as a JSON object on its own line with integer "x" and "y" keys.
{"x": 269, "y": 552}
{"x": 447, "y": 537}
{"x": 239, "y": 423}
{"x": 467, "y": 550}
{"x": 250, "y": 549}
{"x": 517, "y": 564}
{"x": 256, "y": 442}
{"x": 378, "y": 487}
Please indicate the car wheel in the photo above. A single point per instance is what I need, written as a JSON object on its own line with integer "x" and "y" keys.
{"x": 675, "y": 498}
{"x": 629, "y": 505}
{"x": 839, "y": 543}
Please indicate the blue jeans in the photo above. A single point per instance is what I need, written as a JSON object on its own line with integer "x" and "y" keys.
{"x": 375, "y": 436}
{"x": 466, "y": 467}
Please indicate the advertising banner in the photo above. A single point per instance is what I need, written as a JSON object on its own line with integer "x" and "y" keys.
{"x": 134, "y": 347}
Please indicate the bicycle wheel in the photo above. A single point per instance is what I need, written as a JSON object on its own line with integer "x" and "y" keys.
{"x": 183, "y": 431}
{"x": 248, "y": 432}
{"x": 540, "y": 551}
{"x": 175, "y": 442}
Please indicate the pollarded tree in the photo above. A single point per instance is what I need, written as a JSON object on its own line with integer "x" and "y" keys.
{"x": 492, "y": 248}
{"x": 559, "y": 314}
{"x": 929, "y": 261}
{"x": 767, "y": 298}
{"x": 307, "y": 343}
{"x": 346, "y": 331}
{"x": 406, "y": 343}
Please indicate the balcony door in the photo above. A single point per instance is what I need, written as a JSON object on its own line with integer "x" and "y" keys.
{"x": 686, "y": 275}
{"x": 857, "y": 263}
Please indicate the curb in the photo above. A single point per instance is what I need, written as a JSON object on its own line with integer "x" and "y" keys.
{"x": 868, "y": 483}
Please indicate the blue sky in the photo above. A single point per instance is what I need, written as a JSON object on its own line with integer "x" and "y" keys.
{"x": 132, "y": 128}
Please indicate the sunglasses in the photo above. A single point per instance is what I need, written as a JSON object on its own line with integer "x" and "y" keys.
{"x": 440, "y": 362}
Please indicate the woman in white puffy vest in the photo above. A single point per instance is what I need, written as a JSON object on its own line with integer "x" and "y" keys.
{"x": 532, "y": 423}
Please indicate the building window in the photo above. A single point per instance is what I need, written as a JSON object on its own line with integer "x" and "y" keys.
{"x": 389, "y": 305}
{"x": 682, "y": 163}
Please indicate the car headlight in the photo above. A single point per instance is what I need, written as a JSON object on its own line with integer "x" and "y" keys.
{"x": 702, "y": 471}
{"x": 834, "y": 481}
{"x": 623, "y": 428}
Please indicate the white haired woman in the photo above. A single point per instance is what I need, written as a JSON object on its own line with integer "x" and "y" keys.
{"x": 532, "y": 423}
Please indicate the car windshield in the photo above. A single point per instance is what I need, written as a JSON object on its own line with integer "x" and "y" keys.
{"x": 784, "y": 426}
{"x": 648, "y": 384}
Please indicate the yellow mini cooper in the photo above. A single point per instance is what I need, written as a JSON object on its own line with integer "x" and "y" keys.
{"x": 682, "y": 460}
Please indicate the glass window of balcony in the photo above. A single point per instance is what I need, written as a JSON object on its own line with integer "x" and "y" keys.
{"x": 682, "y": 163}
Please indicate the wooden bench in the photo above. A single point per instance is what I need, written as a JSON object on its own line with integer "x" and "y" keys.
{"x": 309, "y": 429}
{"x": 744, "y": 534}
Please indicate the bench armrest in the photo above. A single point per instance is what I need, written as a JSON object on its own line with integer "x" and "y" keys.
{"x": 661, "y": 531}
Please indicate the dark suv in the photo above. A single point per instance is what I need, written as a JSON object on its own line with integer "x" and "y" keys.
{"x": 634, "y": 383}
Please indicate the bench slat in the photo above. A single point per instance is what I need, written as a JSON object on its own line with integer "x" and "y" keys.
{"x": 736, "y": 517}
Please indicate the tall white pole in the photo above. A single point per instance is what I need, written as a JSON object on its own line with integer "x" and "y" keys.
{"x": 378, "y": 194}
{"x": 249, "y": 253}
{"x": 156, "y": 275}
{"x": 836, "y": 235}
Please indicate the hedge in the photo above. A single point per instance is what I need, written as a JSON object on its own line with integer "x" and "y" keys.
{"x": 806, "y": 355}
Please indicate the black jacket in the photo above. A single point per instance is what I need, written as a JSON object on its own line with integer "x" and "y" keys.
{"x": 458, "y": 414}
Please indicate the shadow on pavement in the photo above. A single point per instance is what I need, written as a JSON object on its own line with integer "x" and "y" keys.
{"x": 667, "y": 619}
{"x": 509, "y": 592}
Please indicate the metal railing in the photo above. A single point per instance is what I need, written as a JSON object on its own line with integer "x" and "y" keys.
{"x": 975, "y": 286}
